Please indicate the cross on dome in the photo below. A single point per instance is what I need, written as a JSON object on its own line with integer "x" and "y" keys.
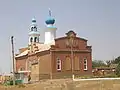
{"x": 50, "y": 20}
{"x": 49, "y": 12}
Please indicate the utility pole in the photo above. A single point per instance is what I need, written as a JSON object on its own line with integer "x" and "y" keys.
{"x": 13, "y": 60}
{"x": 71, "y": 38}
{"x": 72, "y": 57}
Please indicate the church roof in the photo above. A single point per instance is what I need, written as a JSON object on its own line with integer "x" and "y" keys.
{"x": 23, "y": 53}
{"x": 41, "y": 47}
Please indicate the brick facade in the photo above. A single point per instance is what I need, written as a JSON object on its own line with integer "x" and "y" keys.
{"x": 47, "y": 60}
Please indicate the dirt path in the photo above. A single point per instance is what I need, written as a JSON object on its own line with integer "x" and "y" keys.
{"x": 68, "y": 84}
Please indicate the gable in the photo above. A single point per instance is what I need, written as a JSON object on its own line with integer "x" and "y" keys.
{"x": 71, "y": 39}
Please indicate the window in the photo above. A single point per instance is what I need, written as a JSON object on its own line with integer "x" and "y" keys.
{"x": 35, "y": 39}
{"x": 31, "y": 28}
{"x": 35, "y": 28}
{"x": 68, "y": 63}
{"x": 85, "y": 64}
{"x": 31, "y": 39}
{"x": 58, "y": 64}
{"x": 76, "y": 63}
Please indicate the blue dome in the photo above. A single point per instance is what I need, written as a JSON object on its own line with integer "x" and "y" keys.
{"x": 50, "y": 20}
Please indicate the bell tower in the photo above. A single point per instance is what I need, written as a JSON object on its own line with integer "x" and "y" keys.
{"x": 33, "y": 34}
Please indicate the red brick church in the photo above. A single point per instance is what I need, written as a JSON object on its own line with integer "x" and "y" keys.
{"x": 56, "y": 57}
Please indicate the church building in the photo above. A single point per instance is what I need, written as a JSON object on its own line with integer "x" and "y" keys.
{"x": 55, "y": 57}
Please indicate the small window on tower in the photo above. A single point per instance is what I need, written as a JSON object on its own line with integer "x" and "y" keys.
{"x": 35, "y": 40}
{"x": 31, "y": 39}
{"x": 35, "y": 28}
{"x": 31, "y": 28}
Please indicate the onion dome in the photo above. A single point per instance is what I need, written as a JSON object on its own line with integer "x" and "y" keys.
{"x": 50, "y": 20}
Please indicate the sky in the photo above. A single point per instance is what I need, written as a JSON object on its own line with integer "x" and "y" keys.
{"x": 98, "y": 21}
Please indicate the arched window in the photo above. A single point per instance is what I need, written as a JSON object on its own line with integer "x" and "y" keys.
{"x": 85, "y": 64}
{"x": 35, "y": 28}
{"x": 35, "y": 39}
{"x": 76, "y": 63}
{"x": 31, "y": 28}
{"x": 58, "y": 64}
{"x": 31, "y": 39}
{"x": 68, "y": 63}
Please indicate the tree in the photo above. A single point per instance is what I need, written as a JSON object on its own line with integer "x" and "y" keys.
{"x": 117, "y": 60}
{"x": 118, "y": 69}
{"x": 108, "y": 63}
{"x": 98, "y": 63}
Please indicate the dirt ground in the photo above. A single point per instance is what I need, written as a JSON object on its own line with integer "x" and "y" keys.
{"x": 67, "y": 84}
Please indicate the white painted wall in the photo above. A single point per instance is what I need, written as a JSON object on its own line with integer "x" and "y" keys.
{"x": 50, "y": 36}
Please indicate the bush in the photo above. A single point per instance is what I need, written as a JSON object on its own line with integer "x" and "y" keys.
{"x": 118, "y": 70}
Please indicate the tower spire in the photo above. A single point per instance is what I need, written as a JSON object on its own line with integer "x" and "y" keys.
{"x": 49, "y": 12}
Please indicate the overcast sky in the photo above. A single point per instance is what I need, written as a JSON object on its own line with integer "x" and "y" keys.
{"x": 95, "y": 20}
